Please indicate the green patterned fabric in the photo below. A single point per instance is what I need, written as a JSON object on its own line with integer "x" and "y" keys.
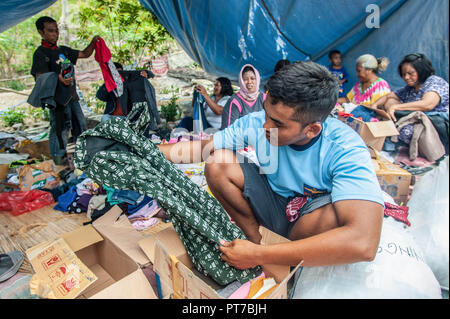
{"x": 197, "y": 217}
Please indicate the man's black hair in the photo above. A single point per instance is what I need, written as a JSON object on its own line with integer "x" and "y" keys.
{"x": 40, "y": 22}
{"x": 225, "y": 83}
{"x": 307, "y": 87}
{"x": 280, "y": 64}
{"x": 420, "y": 63}
{"x": 118, "y": 65}
{"x": 333, "y": 52}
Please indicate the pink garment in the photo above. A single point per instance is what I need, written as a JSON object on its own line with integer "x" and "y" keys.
{"x": 144, "y": 224}
{"x": 146, "y": 211}
{"x": 243, "y": 90}
{"x": 103, "y": 57}
{"x": 242, "y": 291}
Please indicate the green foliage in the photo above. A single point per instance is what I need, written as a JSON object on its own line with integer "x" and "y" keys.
{"x": 16, "y": 85}
{"x": 171, "y": 111}
{"x": 38, "y": 113}
{"x": 13, "y": 116}
{"x": 97, "y": 105}
{"x": 18, "y": 43}
{"x": 130, "y": 31}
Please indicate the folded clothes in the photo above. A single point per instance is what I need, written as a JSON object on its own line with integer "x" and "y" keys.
{"x": 145, "y": 224}
{"x": 147, "y": 210}
{"x": 135, "y": 208}
{"x": 127, "y": 196}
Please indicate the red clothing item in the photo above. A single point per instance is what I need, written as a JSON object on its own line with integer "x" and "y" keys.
{"x": 118, "y": 110}
{"x": 49, "y": 45}
{"x": 399, "y": 213}
{"x": 103, "y": 56}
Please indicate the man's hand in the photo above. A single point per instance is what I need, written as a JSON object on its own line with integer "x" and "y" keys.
{"x": 95, "y": 38}
{"x": 240, "y": 254}
{"x": 144, "y": 74}
{"x": 64, "y": 81}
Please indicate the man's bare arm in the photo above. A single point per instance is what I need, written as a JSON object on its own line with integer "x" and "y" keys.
{"x": 356, "y": 239}
{"x": 188, "y": 152}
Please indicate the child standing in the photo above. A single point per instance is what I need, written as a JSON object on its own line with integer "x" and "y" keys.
{"x": 338, "y": 70}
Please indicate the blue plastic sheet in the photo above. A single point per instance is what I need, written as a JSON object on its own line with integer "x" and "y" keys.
{"x": 13, "y": 12}
{"x": 222, "y": 36}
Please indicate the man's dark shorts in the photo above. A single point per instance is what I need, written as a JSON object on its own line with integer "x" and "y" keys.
{"x": 269, "y": 207}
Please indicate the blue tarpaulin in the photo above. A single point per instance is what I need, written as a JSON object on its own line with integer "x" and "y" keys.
{"x": 222, "y": 36}
{"x": 13, "y": 12}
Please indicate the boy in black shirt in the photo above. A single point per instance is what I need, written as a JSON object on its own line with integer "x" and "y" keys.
{"x": 45, "y": 59}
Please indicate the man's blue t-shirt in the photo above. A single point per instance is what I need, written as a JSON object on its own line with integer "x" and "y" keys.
{"x": 341, "y": 74}
{"x": 337, "y": 161}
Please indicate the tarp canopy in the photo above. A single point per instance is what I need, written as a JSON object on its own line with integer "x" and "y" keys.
{"x": 13, "y": 12}
{"x": 222, "y": 36}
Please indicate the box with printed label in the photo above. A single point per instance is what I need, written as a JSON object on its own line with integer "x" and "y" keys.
{"x": 91, "y": 262}
{"x": 179, "y": 278}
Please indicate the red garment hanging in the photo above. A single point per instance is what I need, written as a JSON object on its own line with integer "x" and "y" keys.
{"x": 103, "y": 56}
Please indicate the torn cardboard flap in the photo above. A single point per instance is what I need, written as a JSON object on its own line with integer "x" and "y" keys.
{"x": 118, "y": 228}
{"x": 382, "y": 128}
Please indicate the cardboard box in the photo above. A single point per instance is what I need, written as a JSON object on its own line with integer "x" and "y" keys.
{"x": 372, "y": 133}
{"x": 393, "y": 179}
{"x": 180, "y": 279}
{"x": 103, "y": 269}
{"x": 37, "y": 176}
{"x": 36, "y": 149}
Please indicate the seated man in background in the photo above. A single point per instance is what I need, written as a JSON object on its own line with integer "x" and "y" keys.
{"x": 316, "y": 187}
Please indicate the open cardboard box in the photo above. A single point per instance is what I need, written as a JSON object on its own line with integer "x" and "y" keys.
{"x": 106, "y": 249}
{"x": 179, "y": 278}
{"x": 372, "y": 133}
{"x": 393, "y": 179}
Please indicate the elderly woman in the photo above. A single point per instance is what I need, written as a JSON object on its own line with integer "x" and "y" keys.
{"x": 370, "y": 86}
{"x": 248, "y": 99}
{"x": 423, "y": 92}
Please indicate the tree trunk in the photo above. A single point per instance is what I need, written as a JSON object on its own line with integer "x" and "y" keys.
{"x": 63, "y": 26}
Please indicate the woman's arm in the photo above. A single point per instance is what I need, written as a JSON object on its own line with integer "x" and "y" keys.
{"x": 213, "y": 105}
{"x": 427, "y": 103}
{"x": 217, "y": 109}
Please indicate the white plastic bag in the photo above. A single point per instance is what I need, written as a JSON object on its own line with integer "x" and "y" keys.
{"x": 428, "y": 214}
{"x": 397, "y": 272}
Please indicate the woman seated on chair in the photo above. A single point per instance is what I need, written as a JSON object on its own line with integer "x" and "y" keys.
{"x": 248, "y": 99}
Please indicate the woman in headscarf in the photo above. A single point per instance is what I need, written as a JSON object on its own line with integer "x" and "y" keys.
{"x": 248, "y": 99}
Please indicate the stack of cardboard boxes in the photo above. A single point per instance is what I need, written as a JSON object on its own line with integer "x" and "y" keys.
{"x": 392, "y": 178}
